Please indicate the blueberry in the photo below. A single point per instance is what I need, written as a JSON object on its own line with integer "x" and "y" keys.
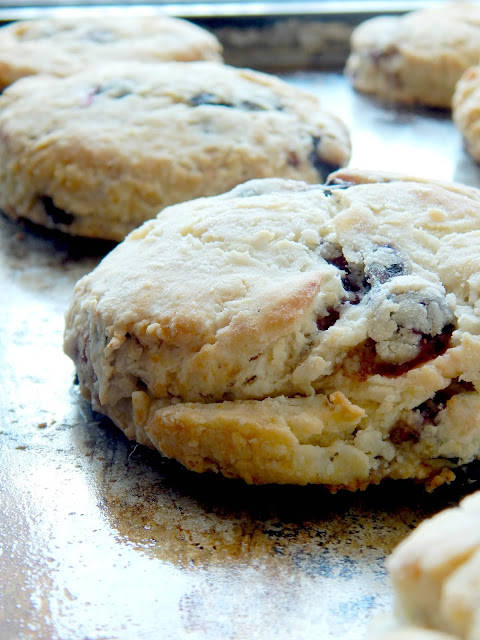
{"x": 409, "y": 326}
{"x": 205, "y": 98}
{"x": 323, "y": 323}
{"x": 384, "y": 264}
{"x": 58, "y": 216}
{"x": 324, "y": 167}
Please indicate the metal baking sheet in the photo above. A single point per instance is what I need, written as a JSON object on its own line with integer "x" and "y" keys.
{"x": 102, "y": 539}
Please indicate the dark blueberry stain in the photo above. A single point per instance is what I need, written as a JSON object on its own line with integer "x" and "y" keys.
{"x": 430, "y": 347}
{"x": 249, "y": 105}
{"x": 323, "y": 166}
{"x": 210, "y": 99}
{"x": 341, "y": 186}
{"x": 357, "y": 279}
{"x": 205, "y": 98}
{"x": 389, "y": 265}
{"x": 382, "y": 273}
{"x": 115, "y": 91}
{"x": 292, "y": 159}
{"x": 403, "y": 432}
{"x": 58, "y": 216}
{"x": 432, "y": 407}
{"x": 336, "y": 183}
{"x": 329, "y": 320}
{"x": 353, "y": 276}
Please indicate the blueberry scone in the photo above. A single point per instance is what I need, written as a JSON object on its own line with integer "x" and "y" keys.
{"x": 61, "y": 46}
{"x": 436, "y": 572}
{"x": 294, "y": 333}
{"x": 466, "y": 110}
{"x": 99, "y": 152}
{"x": 416, "y": 58}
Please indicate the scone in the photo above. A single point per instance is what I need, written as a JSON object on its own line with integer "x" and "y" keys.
{"x": 436, "y": 572}
{"x": 466, "y": 110}
{"x": 416, "y": 58}
{"x": 98, "y": 153}
{"x": 61, "y": 46}
{"x": 294, "y": 333}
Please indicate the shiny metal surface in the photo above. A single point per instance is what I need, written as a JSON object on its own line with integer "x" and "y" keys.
{"x": 18, "y": 9}
{"x": 102, "y": 539}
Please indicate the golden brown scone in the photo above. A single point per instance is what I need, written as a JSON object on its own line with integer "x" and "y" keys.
{"x": 61, "y": 46}
{"x": 417, "y": 57}
{"x": 294, "y": 333}
{"x": 98, "y": 153}
{"x": 436, "y": 572}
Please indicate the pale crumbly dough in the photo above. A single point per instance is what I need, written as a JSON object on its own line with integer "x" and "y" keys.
{"x": 436, "y": 573}
{"x": 294, "y": 333}
{"x": 98, "y": 153}
{"x": 416, "y": 58}
{"x": 65, "y": 45}
{"x": 466, "y": 110}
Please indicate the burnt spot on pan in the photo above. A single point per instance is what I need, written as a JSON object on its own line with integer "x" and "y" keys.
{"x": 57, "y": 215}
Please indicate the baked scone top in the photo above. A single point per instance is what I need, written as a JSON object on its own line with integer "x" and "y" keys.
{"x": 111, "y": 146}
{"x": 350, "y": 311}
{"x": 417, "y": 57}
{"x": 64, "y": 45}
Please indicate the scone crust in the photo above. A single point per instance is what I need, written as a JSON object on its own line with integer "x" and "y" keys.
{"x": 108, "y": 148}
{"x": 416, "y": 58}
{"x": 435, "y": 572}
{"x": 294, "y": 333}
{"x": 65, "y": 45}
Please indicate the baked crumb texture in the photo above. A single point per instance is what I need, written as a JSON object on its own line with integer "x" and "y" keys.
{"x": 416, "y": 58}
{"x": 99, "y": 152}
{"x": 294, "y": 333}
{"x": 64, "y": 45}
{"x": 435, "y": 574}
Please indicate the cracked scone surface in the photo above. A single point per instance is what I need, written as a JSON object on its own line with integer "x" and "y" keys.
{"x": 98, "y": 153}
{"x": 294, "y": 333}
{"x": 416, "y": 58}
{"x": 61, "y": 46}
{"x": 435, "y": 572}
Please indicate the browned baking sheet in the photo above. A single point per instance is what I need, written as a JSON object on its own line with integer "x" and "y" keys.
{"x": 102, "y": 539}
